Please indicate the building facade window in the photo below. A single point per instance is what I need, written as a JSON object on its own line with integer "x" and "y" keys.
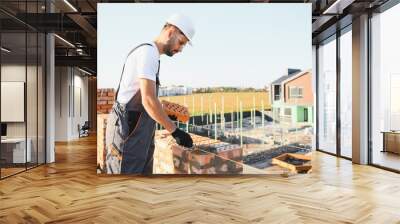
{"x": 295, "y": 92}
{"x": 288, "y": 111}
{"x": 277, "y": 92}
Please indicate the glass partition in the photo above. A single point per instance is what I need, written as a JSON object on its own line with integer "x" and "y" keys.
{"x": 22, "y": 79}
{"x": 41, "y": 91}
{"x": 346, "y": 94}
{"x": 327, "y": 96}
{"x": 385, "y": 89}
{"x": 14, "y": 153}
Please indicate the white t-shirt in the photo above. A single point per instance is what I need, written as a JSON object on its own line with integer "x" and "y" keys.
{"x": 141, "y": 63}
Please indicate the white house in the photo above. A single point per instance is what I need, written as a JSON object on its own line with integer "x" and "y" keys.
{"x": 174, "y": 90}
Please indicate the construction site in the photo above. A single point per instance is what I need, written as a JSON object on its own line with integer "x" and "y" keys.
{"x": 238, "y": 142}
{"x": 226, "y": 145}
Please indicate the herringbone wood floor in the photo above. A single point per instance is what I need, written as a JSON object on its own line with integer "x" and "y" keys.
{"x": 69, "y": 191}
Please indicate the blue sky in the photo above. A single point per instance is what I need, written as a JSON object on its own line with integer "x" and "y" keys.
{"x": 243, "y": 45}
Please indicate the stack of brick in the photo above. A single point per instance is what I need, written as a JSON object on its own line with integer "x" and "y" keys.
{"x": 105, "y": 100}
{"x": 220, "y": 158}
{"x": 208, "y": 156}
{"x": 101, "y": 140}
{"x": 183, "y": 157}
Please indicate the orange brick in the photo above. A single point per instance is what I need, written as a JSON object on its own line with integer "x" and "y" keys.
{"x": 176, "y": 110}
{"x": 101, "y": 111}
{"x": 201, "y": 159}
{"x": 107, "y": 106}
{"x": 181, "y": 158}
{"x": 105, "y": 98}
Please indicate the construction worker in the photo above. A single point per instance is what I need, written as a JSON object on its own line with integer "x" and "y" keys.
{"x": 131, "y": 124}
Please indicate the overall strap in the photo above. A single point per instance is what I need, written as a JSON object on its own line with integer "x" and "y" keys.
{"x": 158, "y": 73}
{"x": 123, "y": 68}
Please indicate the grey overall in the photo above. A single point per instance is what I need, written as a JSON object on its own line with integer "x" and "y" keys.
{"x": 130, "y": 134}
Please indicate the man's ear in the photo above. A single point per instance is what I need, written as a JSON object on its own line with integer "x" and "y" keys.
{"x": 170, "y": 31}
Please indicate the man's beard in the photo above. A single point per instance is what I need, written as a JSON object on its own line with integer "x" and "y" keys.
{"x": 169, "y": 52}
{"x": 168, "y": 48}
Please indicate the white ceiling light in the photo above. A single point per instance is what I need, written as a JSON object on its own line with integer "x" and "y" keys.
{"x": 86, "y": 72}
{"x": 70, "y": 5}
{"x": 5, "y": 50}
{"x": 338, "y": 6}
{"x": 65, "y": 41}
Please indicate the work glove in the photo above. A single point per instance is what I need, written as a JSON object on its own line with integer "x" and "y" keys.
{"x": 182, "y": 138}
{"x": 172, "y": 117}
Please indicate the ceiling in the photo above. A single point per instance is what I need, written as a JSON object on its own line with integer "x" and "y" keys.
{"x": 76, "y": 22}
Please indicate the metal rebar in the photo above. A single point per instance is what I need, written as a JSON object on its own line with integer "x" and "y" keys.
{"x": 237, "y": 112}
{"x": 262, "y": 114}
{"x": 232, "y": 121}
{"x": 241, "y": 124}
{"x": 193, "y": 110}
{"x": 215, "y": 120}
{"x": 254, "y": 112}
{"x": 201, "y": 108}
{"x": 222, "y": 114}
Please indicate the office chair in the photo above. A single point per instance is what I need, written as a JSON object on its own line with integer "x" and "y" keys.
{"x": 84, "y": 130}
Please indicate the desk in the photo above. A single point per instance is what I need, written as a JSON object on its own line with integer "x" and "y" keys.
{"x": 13, "y": 150}
{"x": 391, "y": 141}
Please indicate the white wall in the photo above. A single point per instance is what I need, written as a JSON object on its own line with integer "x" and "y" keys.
{"x": 71, "y": 93}
{"x": 61, "y": 103}
{"x": 80, "y": 89}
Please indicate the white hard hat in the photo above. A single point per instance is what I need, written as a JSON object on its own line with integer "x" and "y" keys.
{"x": 184, "y": 24}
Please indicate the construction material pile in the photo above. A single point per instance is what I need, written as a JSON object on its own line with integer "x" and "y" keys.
{"x": 296, "y": 163}
{"x": 207, "y": 156}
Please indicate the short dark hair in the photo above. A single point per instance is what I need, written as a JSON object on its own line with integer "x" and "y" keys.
{"x": 169, "y": 25}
